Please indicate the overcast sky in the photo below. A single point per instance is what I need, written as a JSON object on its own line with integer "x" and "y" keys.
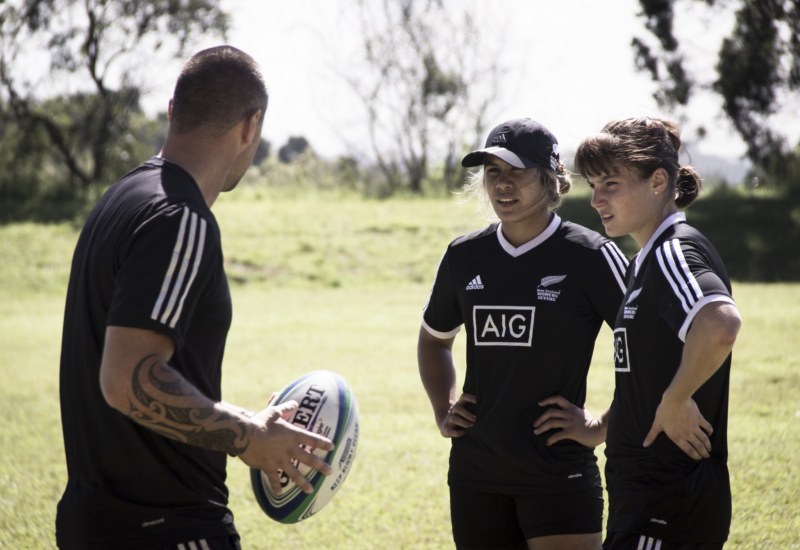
{"x": 574, "y": 59}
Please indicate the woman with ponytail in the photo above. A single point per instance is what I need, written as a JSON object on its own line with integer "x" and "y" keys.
{"x": 666, "y": 441}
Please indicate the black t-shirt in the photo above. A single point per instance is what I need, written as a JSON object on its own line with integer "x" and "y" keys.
{"x": 659, "y": 491}
{"x": 149, "y": 256}
{"x": 531, "y": 316}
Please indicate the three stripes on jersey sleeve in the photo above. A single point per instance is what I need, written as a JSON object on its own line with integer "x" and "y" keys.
{"x": 683, "y": 283}
{"x": 616, "y": 261}
{"x": 182, "y": 270}
{"x": 679, "y": 276}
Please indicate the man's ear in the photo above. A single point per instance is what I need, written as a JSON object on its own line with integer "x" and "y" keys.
{"x": 251, "y": 130}
{"x": 169, "y": 111}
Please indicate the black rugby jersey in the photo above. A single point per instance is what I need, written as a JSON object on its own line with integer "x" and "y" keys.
{"x": 149, "y": 257}
{"x": 531, "y": 316}
{"x": 660, "y": 491}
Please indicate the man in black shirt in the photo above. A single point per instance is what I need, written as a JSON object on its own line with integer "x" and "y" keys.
{"x": 147, "y": 314}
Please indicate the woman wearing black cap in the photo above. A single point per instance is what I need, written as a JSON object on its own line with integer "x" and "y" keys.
{"x": 532, "y": 291}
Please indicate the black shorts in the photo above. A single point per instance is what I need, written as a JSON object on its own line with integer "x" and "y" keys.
{"x": 228, "y": 542}
{"x": 222, "y": 543}
{"x": 490, "y": 520}
{"x": 632, "y": 541}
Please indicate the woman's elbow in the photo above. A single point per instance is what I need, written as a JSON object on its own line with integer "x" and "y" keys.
{"x": 728, "y": 329}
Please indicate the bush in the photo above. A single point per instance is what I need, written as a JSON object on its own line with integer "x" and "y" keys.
{"x": 755, "y": 233}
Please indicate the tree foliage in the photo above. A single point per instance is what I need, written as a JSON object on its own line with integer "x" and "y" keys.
{"x": 293, "y": 148}
{"x": 424, "y": 88}
{"x": 758, "y": 64}
{"x": 70, "y": 82}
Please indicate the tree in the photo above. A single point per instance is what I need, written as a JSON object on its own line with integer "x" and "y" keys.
{"x": 425, "y": 87}
{"x": 757, "y": 63}
{"x": 33, "y": 181}
{"x": 85, "y": 104}
{"x": 293, "y": 148}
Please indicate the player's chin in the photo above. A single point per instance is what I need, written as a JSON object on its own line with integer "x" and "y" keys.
{"x": 612, "y": 230}
{"x": 231, "y": 185}
{"x": 505, "y": 209}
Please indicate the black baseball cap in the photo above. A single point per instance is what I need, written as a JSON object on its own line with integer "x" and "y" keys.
{"x": 521, "y": 142}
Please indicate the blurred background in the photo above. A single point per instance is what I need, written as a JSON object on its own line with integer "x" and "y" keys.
{"x": 383, "y": 98}
{"x": 333, "y": 238}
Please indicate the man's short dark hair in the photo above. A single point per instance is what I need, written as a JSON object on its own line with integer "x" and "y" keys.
{"x": 216, "y": 89}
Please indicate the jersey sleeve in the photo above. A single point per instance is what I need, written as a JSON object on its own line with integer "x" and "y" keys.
{"x": 163, "y": 271}
{"x": 690, "y": 281}
{"x": 442, "y": 315}
{"x": 609, "y": 281}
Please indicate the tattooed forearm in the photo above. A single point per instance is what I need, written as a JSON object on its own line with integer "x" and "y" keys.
{"x": 165, "y": 402}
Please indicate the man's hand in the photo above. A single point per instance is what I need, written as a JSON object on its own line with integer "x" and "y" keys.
{"x": 458, "y": 418}
{"x": 275, "y": 444}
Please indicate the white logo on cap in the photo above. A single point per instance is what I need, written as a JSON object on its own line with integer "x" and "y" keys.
{"x": 555, "y": 148}
{"x": 500, "y": 138}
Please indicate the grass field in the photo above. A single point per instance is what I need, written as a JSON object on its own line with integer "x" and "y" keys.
{"x": 336, "y": 283}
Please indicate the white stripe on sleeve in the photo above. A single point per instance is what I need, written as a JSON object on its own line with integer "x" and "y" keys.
{"x": 185, "y": 259}
{"x": 182, "y": 270}
{"x": 441, "y": 335}
{"x": 696, "y": 309}
{"x": 176, "y": 255}
{"x": 616, "y": 261}
{"x": 677, "y": 272}
{"x": 195, "y": 269}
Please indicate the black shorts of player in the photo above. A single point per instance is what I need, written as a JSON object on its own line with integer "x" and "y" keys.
{"x": 632, "y": 541}
{"x": 490, "y": 520}
{"x": 220, "y": 543}
{"x": 230, "y": 542}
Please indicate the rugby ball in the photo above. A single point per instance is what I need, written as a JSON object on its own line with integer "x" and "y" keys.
{"x": 327, "y": 407}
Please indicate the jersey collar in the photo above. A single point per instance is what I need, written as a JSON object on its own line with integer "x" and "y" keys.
{"x": 551, "y": 228}
{"x": 677, "y": 217}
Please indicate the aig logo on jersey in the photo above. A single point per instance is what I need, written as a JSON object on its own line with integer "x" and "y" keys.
{"x": 503, "y": 325}
{"x": 621, "y": 358}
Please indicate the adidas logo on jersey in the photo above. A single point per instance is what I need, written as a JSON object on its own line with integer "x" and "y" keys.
{"x": 545, "y": 293}
{"x": 475, "y": 284}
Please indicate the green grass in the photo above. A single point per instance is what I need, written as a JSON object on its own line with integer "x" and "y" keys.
{"x": 339, "y": 284}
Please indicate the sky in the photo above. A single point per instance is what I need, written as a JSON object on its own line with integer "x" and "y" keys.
{"x": 572, "y": 68}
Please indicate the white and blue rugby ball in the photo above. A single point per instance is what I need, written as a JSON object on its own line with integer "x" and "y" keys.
{"x": 327, "y": 407}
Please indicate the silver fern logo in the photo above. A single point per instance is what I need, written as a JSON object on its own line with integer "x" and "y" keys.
{"x": 633, "y": 296}
{"x": 544, "y": 292}
{"x": 551, "y": 280}
{"x": 629, "y": 311}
